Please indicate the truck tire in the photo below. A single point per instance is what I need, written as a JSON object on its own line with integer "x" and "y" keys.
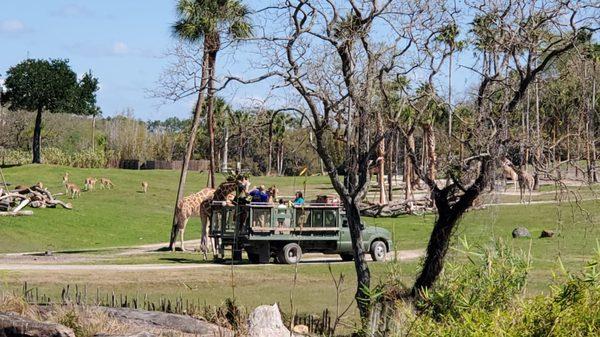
{"x": 290, "y": 254}
{"x": 347, "y": 256}
{"x": 378, "y": 251}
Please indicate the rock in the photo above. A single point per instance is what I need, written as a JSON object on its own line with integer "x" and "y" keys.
{"x": 13, "y": 325}
{"x": 301, "y": 329}
{"x": 265, "y": 321}
{"x": 163, "y": 320}
{"x": 546, "y": 233}
{"x": 139, "y": 334}
{"x": 520, "y": 232}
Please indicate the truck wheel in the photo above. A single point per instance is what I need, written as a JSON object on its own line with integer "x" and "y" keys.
{"x": 290, "y": 254}
{"x": 378, "y": 251}
{"x": 347, "y": 257}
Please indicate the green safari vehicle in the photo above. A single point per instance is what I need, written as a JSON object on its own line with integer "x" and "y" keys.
{"x": 266, "y": 231}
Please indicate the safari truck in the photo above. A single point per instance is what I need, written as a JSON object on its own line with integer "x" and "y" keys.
{"x": 284, "y": 233}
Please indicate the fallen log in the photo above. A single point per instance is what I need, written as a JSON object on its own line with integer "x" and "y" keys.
{"x": 20, "y": 213}
{"x": 21, "y": 205}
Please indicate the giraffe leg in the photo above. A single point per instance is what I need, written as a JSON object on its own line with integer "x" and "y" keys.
{"x": 182, "y": 231}
{"x": 204, "y": 240}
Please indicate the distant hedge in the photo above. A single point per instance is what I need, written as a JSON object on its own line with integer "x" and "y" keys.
{"x": 55, "y": 156}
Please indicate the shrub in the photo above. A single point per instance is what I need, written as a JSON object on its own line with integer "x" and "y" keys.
{"x": 55, "y": 156}
{"x": 483, "y": 298}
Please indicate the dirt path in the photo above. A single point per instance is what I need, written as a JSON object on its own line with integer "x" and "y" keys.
{"x": 12, "y": 265}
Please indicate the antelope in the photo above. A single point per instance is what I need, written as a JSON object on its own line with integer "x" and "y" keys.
{"x": 106, "y": 183}
{"x": 72, "y": 190}
{"x": 90, "y": 183}
{"x": 145, "y": 186}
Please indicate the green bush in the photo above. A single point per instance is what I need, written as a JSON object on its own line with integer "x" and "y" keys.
{"x": 483, "y": 298}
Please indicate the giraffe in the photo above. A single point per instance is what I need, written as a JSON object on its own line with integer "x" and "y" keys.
{"x": 509, "y": 172}
{"x": 272, "y": 193}
{"x": 188, "y": 207}
{"x": 226, "y": 191}
{"x": 526, "y": 181}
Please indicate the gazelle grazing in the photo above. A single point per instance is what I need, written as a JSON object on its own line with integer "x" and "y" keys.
{"x": 72, "y": 190}
{"x": 526, "y": 181}
{"x": 106, "y": 183}
{"x": 145, "y": 186}
{"x": 90, "y": 183}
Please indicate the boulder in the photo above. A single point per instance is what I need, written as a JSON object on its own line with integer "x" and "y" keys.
{"x": 546, "y": 233}
{"x": 163, "y": 320}
{"x": 265, "y": 321}
{"x": 13, "y": 325}
{"x": 139, "y": 334}
{"x": 521, "y": 232}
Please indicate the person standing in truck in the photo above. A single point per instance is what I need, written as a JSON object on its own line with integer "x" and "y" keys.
{"x": 299, "y": 199}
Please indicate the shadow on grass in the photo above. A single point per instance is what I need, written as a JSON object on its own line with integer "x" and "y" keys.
{"x": 182, "y": 260}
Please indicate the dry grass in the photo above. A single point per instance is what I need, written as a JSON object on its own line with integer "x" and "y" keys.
{"x": 85, "y": 321}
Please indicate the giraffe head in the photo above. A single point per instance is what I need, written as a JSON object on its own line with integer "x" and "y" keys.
{"x": 272, "y": 192}
{"x": 237, "y": 184}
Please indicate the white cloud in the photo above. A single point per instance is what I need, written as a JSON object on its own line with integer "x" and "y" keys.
{"x": 72, "y": 10}
{"x": 12, "y": 26}
{"x": 120, "y": 48}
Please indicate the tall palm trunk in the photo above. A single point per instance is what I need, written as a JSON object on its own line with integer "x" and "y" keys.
{"x": 225, "y": 148}
{"x": 408, "y": 167}
{"x": 191, "y": 142}
{"x": 270, "y": 162}
{"x": 381, "y": 163}
{"x": 430, "y": 146}
{"x": 214, "y": 44}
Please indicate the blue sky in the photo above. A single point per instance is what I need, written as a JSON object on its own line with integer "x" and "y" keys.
{"x": 122, "y": 42}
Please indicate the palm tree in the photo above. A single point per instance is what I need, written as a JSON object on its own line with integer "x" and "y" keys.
{"x": 206, "y": 21}
{"x": 280, "y": 123}
{"x": 221, "y": 113}
{"x": 240, "y": 120}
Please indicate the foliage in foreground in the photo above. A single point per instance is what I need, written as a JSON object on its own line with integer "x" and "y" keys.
{"x": 484, "y": 297}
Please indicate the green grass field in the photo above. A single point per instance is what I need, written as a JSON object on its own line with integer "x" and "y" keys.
{"x": 126, "y": 217}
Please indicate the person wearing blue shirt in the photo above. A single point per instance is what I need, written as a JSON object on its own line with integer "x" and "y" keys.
{"x": 259, "y": 195}
{"x": 299, "y": 200}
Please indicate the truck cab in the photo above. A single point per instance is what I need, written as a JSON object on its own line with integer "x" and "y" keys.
{"x": 283, "y": 233}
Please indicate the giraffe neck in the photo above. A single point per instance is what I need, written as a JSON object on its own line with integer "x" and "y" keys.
{"x": 223, "y": 190}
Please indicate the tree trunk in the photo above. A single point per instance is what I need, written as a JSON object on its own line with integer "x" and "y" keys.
{"x": 448, "y": 218}
{"x": 429, "y": 139}
{"x": 190, "y": 145}
{"x": 450, "y": 101}
{"x": 360, "y": 264}
{"x": 93, "y": 132}
{"x": 270, "y": 162}
{"x": 408, "y": 168}
{"x": 214, "y": 45}
{"x": 225, "y": 149}
{"x": 381, "y": 162}
{"x": 390, "y": 167}
{"x": 37, "y": 138}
